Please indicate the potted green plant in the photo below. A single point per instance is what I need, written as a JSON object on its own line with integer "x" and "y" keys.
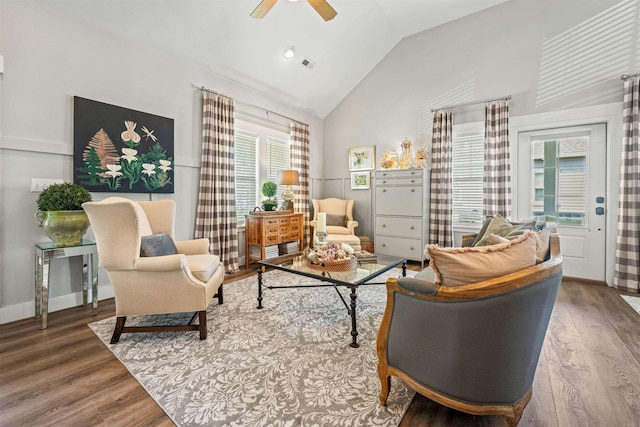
{"x": 60, "y": 213}
{"x": 269, "y": 190}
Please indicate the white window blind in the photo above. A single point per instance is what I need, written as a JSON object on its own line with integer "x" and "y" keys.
{"x": 278, "y": 159}
{"x": 246, "y": 165}
{"x": 467, "y": 163}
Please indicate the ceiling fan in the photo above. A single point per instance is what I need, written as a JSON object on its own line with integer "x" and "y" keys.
{"x": 323, "y": 8}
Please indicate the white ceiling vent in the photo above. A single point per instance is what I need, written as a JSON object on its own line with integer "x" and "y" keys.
{"x": 307, "y": 63}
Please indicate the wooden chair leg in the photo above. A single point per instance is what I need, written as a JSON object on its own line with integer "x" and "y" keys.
{"x": 385, "y": 383}
{"x": 202, "y": 320}
{"x": 118, "y": 329}
{"x": 219, "y": 295}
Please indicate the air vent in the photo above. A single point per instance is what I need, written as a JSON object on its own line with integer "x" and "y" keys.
{"x": 307, "y": 63}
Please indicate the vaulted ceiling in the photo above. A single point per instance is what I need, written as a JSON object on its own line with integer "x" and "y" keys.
{"x": 220, "y": 37}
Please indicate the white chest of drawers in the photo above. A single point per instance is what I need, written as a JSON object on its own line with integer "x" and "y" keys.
{"x": 401, "y": 212}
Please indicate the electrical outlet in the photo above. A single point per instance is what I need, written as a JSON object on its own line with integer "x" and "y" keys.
{"x": 39, "y": 184}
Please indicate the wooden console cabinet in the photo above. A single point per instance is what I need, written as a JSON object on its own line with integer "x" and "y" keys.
{"x": 271, "y": 228}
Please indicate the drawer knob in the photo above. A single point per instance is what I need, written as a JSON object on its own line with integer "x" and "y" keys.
{"x": 384, "y": 181}
{"x": 384, "y": 225}
{"x": 384, "y": 244}
{"x": 384, "y": 190}
{"x": 413, "y": 180}
{"x": 413, "y": 227}
{"x": 412, "y": 248}
{"x": 413, "y": 189}
{"x": 412, "y": 173}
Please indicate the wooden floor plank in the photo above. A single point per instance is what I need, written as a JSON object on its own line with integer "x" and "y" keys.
{"x": 588, "y": 372}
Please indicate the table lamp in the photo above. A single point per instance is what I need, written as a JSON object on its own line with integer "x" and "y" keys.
{"x": 288, "y": 177}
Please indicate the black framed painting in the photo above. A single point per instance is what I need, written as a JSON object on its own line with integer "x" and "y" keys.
{"x": 117, "y": 149}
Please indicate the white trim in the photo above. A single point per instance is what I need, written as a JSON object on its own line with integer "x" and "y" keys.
{"x": 26, "y": 310}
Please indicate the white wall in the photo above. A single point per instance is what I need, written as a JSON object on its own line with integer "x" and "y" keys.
{"x": 550, "y": 55}
{"x": 48, "y": 60}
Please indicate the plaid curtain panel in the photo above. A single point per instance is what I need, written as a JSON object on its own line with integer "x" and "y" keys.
{"x": 627, "y": 266}
{"x": 440, "y": 217}
{"x": 496, "y": 198}
{"x": 216, "y": 212}
{"x": 299, "y": 133}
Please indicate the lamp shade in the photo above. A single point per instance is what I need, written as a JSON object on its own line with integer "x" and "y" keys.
{"x": 288, "y": 177}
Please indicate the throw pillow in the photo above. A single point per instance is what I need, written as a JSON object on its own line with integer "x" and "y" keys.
{"x": 460, "y": 266}
{"x": 157, "y": 245}
{"x": 337, "y": 220}
{"x": 493, "y": 239}
{"x": 498, "y": 226}
{"x": 483, "y": 230}
{"x": 542, "y": 244}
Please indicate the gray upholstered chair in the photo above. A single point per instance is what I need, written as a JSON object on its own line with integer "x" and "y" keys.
{"x": 173, "y": 277}
{"x": 475, "y": 347}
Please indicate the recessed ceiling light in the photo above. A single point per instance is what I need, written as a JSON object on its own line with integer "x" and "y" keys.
{"x": 289, "y": 52}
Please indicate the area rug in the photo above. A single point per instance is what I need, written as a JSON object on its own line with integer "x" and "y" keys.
{"x": 633, "y": 302}
{"x": 288, "y": 364}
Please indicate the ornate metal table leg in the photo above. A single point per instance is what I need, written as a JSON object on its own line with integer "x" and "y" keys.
{"x": 259, "y": 287}
{"x": 404, "y": 268}
{"x": 354, "y": 330}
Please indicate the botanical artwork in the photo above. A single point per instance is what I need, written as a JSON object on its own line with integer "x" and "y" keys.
{"x": 121, "y": 150}
{"x": 362, "y": 158}
{"x": 360, "y": 180}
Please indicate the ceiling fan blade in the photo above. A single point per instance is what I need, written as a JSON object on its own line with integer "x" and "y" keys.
{"x": 263, "y": 8}
{"x": 324, "y": 9}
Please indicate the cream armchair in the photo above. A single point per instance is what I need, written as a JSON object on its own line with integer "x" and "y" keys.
{"x": 178, "y": 282}
{"x": 340, "y": 223}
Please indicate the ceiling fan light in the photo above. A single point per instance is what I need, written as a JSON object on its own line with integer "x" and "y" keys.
{"x": 289, "y": 52}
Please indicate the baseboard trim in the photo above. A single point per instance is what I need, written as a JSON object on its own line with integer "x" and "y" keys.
{"x": 26, "y": 310}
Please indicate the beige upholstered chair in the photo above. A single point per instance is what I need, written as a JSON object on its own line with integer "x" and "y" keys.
{"x": 340, "y": 223}
{"x": 180, "y": 282}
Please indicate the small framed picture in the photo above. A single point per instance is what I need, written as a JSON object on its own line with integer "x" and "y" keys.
{"x": 362, "y": 158}
{"x": 360, "y": 180}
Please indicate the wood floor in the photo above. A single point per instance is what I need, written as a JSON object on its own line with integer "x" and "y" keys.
{"x": 588, "y": 375}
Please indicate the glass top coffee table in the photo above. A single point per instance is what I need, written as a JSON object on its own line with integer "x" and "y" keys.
{"x": 352, "y": 279}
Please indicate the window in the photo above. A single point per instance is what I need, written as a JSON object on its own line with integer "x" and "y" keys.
{"x": 560, "y": 179}
{"x": 467, "y": 164}
{"x": 260, "y": 152}
{"x": 278, "y": 153}
{"x": 246, "y": 145}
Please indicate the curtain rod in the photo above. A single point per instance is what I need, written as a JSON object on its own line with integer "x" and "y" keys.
{"x": 450, "y": 107}
{"x": 629, "y": 76}
{"x": 204, "y": 89}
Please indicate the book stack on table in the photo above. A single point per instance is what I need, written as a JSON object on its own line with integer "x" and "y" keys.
{"x": 366, "y": 256}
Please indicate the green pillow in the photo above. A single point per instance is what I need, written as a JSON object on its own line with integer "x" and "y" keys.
{"x": 498, "y": 226}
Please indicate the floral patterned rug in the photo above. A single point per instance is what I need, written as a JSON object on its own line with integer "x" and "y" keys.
{"x": 288, "y": 364}
{"x": 633, "y": 302}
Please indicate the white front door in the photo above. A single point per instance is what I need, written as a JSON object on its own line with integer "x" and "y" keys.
{"x": 562, "y": 179}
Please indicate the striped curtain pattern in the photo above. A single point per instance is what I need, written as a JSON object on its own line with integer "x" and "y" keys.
{"x": 627, "y": 266}
{"x": 496, "y": 181}
{"x": 299, "y": 133}
{"x": 440, "y": 217}
{"x": 216, "y": 212}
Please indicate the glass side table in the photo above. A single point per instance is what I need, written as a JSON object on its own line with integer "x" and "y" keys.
{"x": 47, "y": 251}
